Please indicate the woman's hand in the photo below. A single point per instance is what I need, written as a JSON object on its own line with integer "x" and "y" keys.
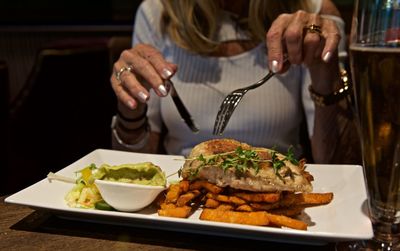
{"x": 148, "y": 69}
{"x": 303, "y": 37}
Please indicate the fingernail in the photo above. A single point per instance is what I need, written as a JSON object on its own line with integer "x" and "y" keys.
{"x": 327, "y": 56}
{"x": 274, "y": 66}
{"x": 131, "y": 105}
{"x": 162, "y": 89}
{"x": 143, "y": 96}
{"x": 166, "y": 73}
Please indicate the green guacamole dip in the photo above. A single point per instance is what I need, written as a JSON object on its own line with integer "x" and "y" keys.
{"x": 145, "y": 173}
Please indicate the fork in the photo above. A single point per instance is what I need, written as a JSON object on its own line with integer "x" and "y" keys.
{"x": 230, "y": 103}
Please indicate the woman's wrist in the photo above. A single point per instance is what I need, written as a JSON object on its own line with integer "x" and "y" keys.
{"x": 135, "y": 139}
{"x": 325, "y": 77}
{"x": 334, "y": 97}
{"x": 131, "y": 115}
{"x": 129, "y": 119}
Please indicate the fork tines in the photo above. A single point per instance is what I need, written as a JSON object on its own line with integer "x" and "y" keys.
{"x": 231, "y": 101}
{"x": 225, "y": 112}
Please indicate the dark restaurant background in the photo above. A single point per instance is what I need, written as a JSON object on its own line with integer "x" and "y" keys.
{"x": 56, "y": 100}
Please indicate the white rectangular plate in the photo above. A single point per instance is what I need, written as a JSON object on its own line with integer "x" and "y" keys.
{"x": 344, "y": 219}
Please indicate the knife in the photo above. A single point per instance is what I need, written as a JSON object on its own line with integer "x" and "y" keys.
{"x": 185, "y": 115}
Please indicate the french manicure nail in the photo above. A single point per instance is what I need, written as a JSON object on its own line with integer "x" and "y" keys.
{"x": 327, "y": 56}
{"x": 131, "y": 105}
{"x": 162, "y": 89}
{"x": 274, "y": 66}
{"x": 142, "y": 96}
{"x": 166, "y": 73}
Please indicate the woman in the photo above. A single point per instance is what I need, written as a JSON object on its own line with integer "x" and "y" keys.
{"x": 219, "y": 46}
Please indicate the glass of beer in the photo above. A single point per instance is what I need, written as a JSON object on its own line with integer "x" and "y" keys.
{"x": 375, "y": 67}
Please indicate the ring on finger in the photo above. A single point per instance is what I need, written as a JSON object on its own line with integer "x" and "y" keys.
{"x": 118, "y": 74}
{"x": 313, "y": 28}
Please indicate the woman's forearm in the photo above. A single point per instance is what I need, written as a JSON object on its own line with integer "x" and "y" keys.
{"x": 335, "y": 138}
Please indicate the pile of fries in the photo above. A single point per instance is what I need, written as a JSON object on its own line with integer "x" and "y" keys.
{"x": 275, "y": 209}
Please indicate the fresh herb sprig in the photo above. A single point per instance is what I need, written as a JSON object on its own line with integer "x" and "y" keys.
{"x": 277, "y": 163}
{"x": 242, "y": 160}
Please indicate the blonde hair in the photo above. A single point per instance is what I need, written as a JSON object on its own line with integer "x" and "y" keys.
{"x": 193, "y": 24}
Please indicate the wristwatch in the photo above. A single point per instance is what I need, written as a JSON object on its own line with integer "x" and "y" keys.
{"x": 336, "y": 96}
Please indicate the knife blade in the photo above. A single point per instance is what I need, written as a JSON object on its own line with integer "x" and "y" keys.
{"x": 185, "y": 115}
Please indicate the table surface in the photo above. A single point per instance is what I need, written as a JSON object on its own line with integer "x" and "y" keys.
{"x": 22, "y": 228}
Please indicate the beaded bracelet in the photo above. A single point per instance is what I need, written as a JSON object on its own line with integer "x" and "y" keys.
{"x": 336, "y": 96}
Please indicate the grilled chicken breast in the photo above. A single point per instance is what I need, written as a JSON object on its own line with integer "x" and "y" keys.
{"x": 215, "y": 161}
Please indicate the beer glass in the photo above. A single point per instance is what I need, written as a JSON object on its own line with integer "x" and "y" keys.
{"x": 375, "y": 67}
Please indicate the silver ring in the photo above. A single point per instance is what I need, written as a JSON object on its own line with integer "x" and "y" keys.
{"x": 122, "y": 70}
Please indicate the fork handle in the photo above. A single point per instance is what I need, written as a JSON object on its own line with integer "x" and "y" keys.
{"x": 261, "y": 81}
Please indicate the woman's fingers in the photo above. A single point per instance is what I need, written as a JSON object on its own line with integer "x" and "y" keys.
{"x": 143, "y": 69}
{"x": 294, "y": 37}
{"x": 303, "y": 38}
{"x": 122, "y": 94}
{"x": 313, "y": 39}
{"x": 332, "y": 37}
{"x": 139, "y": 69}
{"x": 274, "y": 39}
{"x": 154, "y": 57}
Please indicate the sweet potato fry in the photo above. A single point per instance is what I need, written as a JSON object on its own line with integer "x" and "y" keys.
{"x": 287, "y": 211}
{"x": 317, "y": 198}
{"x": 264, "y": 206}
{"x": 171, "y": 210}
{"x": 245, "y": 208}
{"x": 197, "y": 185}
{"x": 167, "y": 205}
{"x": 226, "y": 198}
{"x": 250, "y": 218}
{"x": 225, "y": 207}
{"x": 184, "y": 185}
{"x": 309, "y": 199}
{"x": 211, "y": 203}
{"x": 284, "y": 221}
{"x": 173, "y": 193}
{"x": 187, "y": 197}
{"x": 259, "y": 197}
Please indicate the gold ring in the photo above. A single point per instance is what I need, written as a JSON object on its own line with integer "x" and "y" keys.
{"x": 122, "y": 70}
{"x": 313, "y": 28}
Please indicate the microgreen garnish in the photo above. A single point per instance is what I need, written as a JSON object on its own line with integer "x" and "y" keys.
{"x": 241, "y": 160}
{"x": 290, "y": 156}
{"x": 277, "y": 163}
